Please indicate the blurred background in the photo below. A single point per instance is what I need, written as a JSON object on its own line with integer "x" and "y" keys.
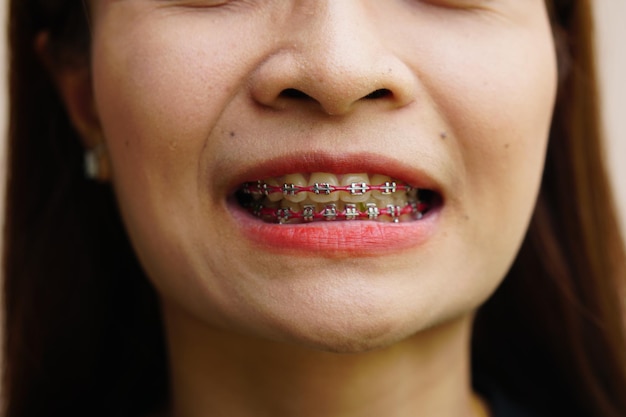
{"x": 611, "y": 35}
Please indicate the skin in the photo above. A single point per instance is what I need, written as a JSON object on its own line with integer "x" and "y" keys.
{"x": 186, "y": 96}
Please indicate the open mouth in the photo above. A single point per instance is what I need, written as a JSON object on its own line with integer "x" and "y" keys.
{"x": 319, "y": 196}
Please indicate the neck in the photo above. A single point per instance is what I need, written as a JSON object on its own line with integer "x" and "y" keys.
{"x": 220, "y": 373}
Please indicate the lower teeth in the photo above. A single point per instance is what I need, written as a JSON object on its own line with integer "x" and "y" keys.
{"x": 330, "y": 212}
{"x": 306, "y": 213}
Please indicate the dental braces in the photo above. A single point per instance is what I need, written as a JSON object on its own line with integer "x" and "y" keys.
{"x": 331, "y": 212}
{"x": 323, "y": 188}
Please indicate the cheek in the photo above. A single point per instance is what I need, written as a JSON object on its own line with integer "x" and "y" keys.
{"x": 502, "y": 134}
{"x": 499, "y": 109}
{"x": 159, "y": 92}
{"x": 158, "y": 98}
{"x": 163, "y": 90}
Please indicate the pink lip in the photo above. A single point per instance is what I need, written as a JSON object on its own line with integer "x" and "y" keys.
{"x": 335, "y": 239}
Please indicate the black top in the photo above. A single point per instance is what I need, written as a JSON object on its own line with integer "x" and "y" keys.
{"x": 500, "y": 404}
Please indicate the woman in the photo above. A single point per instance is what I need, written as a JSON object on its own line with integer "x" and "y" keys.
{"x": 322, "y": 194}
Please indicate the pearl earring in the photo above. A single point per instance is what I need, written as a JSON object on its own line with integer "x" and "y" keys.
{"x": 96, "y": 164}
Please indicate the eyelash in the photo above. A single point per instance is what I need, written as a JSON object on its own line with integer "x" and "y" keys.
{"x": 442, "y": 3}
{"x": 456, "y": 4}
{"x": 198, "y": 3}
{"x": 450, "y": 5}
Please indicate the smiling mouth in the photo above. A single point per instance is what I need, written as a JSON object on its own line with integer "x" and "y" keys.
{"x": 317, "y": 197}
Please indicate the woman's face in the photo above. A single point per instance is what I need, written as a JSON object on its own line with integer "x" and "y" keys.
{"x": 198, "y": 97}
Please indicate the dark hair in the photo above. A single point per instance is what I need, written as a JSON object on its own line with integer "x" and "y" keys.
{"x": 82, "y": 328}
{"x": 553, "y": 333}
{"x": 82, "y": 325}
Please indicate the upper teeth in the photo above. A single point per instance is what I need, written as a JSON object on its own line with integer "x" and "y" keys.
{"x": 323, "y": 187}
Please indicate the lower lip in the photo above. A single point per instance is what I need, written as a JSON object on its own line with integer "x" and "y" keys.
{"x": 336, "y": 239}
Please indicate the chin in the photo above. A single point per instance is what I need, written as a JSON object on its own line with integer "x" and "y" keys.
{"x": 354, "y": 340}
{"x": 356, "y": 333}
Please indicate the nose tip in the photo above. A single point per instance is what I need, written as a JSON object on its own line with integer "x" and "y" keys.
{"x": 334, "y": 87}
{"x": 334, "y": 61}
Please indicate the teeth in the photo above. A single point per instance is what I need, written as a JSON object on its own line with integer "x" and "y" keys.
{"x": 385, "y": 200}
{"x": 283, "y": 215}
{"x": 322, "y": 187}
{"x": 332, "y": 211}
{"x": 394, "y": 212}
{"x": 357, "y": 188}
{"x": 385, "y": 181}
{"x": 351, "y": 211}
{"x": 412, "y": 194}
{"x": 327, "y": 197}
{"x": 274, "y": 197}
{"x": 372, "y": 211}
{"x": 289, "y": 193}
{"x": 308, "y": 212}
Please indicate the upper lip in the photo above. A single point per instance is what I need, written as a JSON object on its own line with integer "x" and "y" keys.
{"x": 358, "y": 162}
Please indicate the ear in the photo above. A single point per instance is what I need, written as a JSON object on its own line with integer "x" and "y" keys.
{"x": 73, "y": 81}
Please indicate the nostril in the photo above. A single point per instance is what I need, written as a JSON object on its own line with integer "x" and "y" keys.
{"x": 380, "y": 93}
{"x": 294, "y": 93}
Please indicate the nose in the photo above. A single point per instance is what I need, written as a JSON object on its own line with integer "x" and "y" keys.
{"x": 333, "y": 60}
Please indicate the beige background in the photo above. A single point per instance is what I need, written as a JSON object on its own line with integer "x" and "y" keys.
{"x": 611, "y": 29}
